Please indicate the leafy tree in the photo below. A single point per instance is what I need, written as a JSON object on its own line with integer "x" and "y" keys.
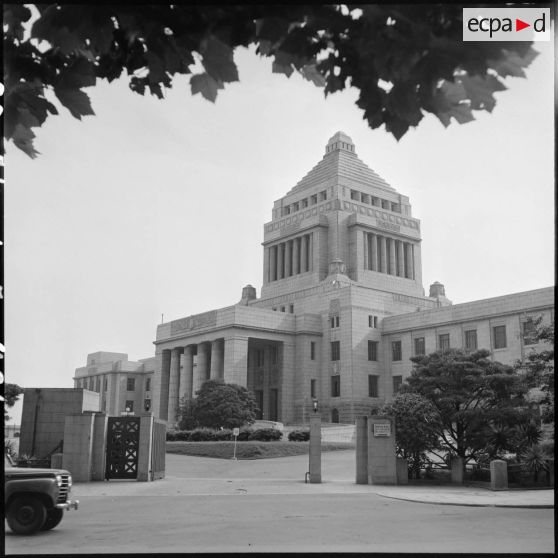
{"x": 404, "y": 60}
{"x": 416, "y": 428}
{"x": 538, "y": 368}
{"x": 11, "y": 395}
{"x": 221, "y": 405}
{"x": 473, "y": 397}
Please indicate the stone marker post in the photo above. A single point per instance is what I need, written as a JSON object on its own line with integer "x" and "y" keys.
{"x": 498, "y": 475}
{"x": 382, "y": 467}
{"x": 362, "y": 450}
{"x": 457, "y": 470}
{"x": 315, "y": 465}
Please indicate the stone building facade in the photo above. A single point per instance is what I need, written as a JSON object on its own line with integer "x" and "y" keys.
{"x": 341, "y": 309}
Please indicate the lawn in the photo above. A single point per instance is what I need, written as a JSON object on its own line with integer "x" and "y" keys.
{"x": 250, "y": 450}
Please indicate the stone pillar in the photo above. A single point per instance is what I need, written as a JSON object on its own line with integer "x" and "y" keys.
{"x": 457, "y": 470}
{"x": 236, "y": 360}
{"x": 174, "y": 379}
{"x": 409, "y": 261}
{"x": 201, "y": 368}
{"x": 382, "y": 464}
{"x": 289, "y": 258}
{"x": 366, "y": 250}
{"x": 498, "y": 475}
{"x": 304, "y": 254}
{"x": 296, "y": 269}
{"x": 145, "y": 447}
{"x": 186, "y": 377}
{"x": 383, "y": 255}
{"x": 273, "y": 263}
{"x": 98, "y": 450}
{"x": 402, "y": 470}
{"x": 216, "y": 372}
{"x": 315, "y": 457}
{"x": 161, "y": 384}
{"x": 278, "y": 261}
{"x": 373, "y": 252}
{"x": 78, "y": 445}
{"x": 392, "y": 270}
{"x": 361, "y": 450}
{"x": 400, "y": 259}
{"x": 417, "y": 263}
{"x": 281, "y": 263}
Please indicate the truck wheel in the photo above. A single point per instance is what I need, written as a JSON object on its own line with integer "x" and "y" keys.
{"x": 26, "y": 515}
{"x": 53, "y": 518}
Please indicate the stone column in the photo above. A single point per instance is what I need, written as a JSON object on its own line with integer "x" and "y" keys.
{"x": 201, "y": 368}
{"x": 311, "y": 252}
{"x": 361, "y": 450}
{"x": 315, "y": 450}
{"x": 400, "y": 259}
{"x": 366, "y": 251}
{"x": 408, "y": 261}
{"x": 289, "y": 259}
{"x": 373, "y": 252}
{"x": 161, "y": 384}
{"x": 174, "y": 379}
{"x": 186, "y": 377}
{"x": 278, "y": 261}
{"x": 216, "y": 372}
{"x": 273, "y": 263}
{"x": 304, "y": 254}
{"x": 296, "y": 269}
{"x": 266, "y": 266}
{"x": 383, "y": 255}
{"x": 236, "y": 360}
{"x": 417, "y": 264}
{"x": 392, "y": 270}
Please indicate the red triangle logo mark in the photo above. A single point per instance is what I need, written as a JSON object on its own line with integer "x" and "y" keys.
{"x": 519, "y": 25}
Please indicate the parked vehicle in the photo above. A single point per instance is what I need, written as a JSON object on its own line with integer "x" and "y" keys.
{"x": 35, "y": 499}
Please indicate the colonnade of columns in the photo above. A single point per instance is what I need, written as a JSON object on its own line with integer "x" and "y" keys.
{"x": 389, "y": 255}
{"x": 290, "y": 257}
{"x": 179, "y": 382}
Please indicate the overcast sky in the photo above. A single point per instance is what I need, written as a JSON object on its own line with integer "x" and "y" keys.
{"x": 157, "y": 207}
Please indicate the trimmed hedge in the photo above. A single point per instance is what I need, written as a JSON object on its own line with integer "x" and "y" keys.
{"x": 299, "y": 435}
{"x": 209, "y": 435}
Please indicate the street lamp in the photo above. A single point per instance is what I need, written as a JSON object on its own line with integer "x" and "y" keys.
{"x": 315, "y": 404}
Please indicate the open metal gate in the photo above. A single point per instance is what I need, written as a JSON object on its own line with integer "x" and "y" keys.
{"x": 122, "y": 448}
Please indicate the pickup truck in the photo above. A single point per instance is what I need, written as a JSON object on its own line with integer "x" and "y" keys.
{"x": 35, "y": 499}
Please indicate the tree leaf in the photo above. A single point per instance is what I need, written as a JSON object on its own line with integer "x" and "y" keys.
{"x": 217, "y": 59}
{"x": 479, "y": 90}
{"x": 23, "y": 138}
{"x": 75, "y": 100}
{"x": 206, "y": 85}
{"x": 311, "y": 73}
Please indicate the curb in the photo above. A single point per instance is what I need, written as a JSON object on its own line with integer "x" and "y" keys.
{"x": 473, "y": 505}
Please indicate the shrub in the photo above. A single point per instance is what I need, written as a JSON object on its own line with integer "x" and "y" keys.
{"x": 534, "y": 459}
{"x": 224, "y": 435}
{"x": 299, "y": 435}
{"x": 244, "y": 435}
{"x": 265, "y": 435}
{"x": 202, "y": 435}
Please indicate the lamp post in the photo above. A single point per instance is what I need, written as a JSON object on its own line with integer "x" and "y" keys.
{"x": 315, "y": 449}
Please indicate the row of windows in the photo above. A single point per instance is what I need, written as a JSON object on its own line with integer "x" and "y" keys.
{"x": 304, "y": 203}
{"x": 378, "y": 202}
{"x": 94, "y": 384}
{"x": 471, "y": 344}
{"x": 283, "y": 308}
{"x": 129, "y": 407}
{"x": 373, "y": 390}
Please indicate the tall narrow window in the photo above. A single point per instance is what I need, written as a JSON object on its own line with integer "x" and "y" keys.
{"x": 419, "y": 346}
{"x": 274, "y": 354}
{"x": 312, "y": 350}
{"x": 376, "y": 322}
{"x": 471, "y": 340}
{"x": 373, "y": 350}
{"x": 335, "y": 350}
{"x": 312, "y": 388}
{"x": 372, "y": 385}
{"x": 499, "y": 337}
{"x": 130, "y": 384}
{"x": 148, "y": 384}
{"x": 396, "y": 350}
{"x": 444, "y": 341}
{"x": 291, "y": 308}
{"x": 529, "y": 332}
{"x": 335, "y": 386}
{"x": 105, "y": 384}
{"x": 397, "y": 381}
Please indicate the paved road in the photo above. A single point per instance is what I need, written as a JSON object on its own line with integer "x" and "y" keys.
{"x": 263, "y": 505}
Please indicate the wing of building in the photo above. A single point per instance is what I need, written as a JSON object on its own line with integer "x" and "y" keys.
{"x": 342, "y": 309}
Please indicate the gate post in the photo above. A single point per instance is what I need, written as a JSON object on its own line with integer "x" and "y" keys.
{"x": 315, "y": 458}
{"x": 145, "y": 447}
{"x": 361, "y": 450}
{"x": 78, "y": 445}
{"x": 382, "y": 467}
{"x": 99, "y": 447}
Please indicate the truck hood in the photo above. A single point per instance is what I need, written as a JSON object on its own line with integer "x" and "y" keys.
{"x": 32, "y": 472}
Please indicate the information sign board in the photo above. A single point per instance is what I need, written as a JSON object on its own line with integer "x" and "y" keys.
{"x": 382, "y": 429}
